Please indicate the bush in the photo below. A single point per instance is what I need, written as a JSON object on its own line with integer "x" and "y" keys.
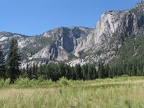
{"x": 23, "y": 82}
{"x": 42, "y": 78}
{"x": 4, "y": 83}
{"x": 63, "y": 81}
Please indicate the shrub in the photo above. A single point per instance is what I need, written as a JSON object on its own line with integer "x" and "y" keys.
{"x": 23, "y": 82}
{"x": 2, "y": 83}
{"x": 63, "y": 81}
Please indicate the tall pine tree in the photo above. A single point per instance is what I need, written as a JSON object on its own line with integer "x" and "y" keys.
{"x": 2, "y": 64}
{"x": 13, "y": 60}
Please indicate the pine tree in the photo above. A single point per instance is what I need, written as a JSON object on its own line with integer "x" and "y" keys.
{"x": 138, "y": 71}
{"x": 34, "y": 69}
{"x": 93, "y": 75}
{"x": 24, "y": 73}
{"x": 91, "y": 72}
{"x": 78, "y": 72}
{"x": 85, "y": 71}
{"x": 68, "y": 72}
{"x": 62, "y": 69}
{"x": 74, "y": 76}
{"x": 107, "y": 71}
{"x": 13, "y": 61}
{"x": 101, "y": 71}
{"x": 30, "y": 73}
{"x": 52, "y": 71}
{"x": 40, "y": 69}
{"x": 133, "y": 71}
{"x": 2, "y": 64}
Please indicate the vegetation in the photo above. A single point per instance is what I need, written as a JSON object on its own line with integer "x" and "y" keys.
{"x": 2, "y": 64}
{"x": 55, "y": 71}
{"x": 34, "y": 47}
{"x": 71, "y": 57}
{"x": 121, "y": 92}
{"x": 13, "y": 61}
{"x": 130, "y": 54}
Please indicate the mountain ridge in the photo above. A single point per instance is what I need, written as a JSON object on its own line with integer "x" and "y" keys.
{"x": 82, "y": 45}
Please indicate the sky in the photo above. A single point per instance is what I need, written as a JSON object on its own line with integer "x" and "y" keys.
{"x": 33, "y": 17}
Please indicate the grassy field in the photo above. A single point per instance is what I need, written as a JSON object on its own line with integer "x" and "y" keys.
{"x": 122, "y": 92}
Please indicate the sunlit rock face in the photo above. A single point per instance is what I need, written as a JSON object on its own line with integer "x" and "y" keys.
{"x": 113, "y": 28}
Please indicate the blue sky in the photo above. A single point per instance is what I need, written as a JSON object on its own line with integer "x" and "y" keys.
{"x": 31, "y": 17}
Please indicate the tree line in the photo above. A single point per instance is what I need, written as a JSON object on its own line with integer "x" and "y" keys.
{"x": 55, "y": 71}
{"x": 9, "y": 68}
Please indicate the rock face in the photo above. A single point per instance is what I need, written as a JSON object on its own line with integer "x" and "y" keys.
{"x": 53, "y": 45}
{"x": 68, "y": 37}
{"x": 111, "y": 31}
{"x": 105, "y": 28}
{"x": 79, "y": 44}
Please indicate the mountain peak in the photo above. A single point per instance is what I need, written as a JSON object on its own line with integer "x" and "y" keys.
{"x": 140, "y": 5}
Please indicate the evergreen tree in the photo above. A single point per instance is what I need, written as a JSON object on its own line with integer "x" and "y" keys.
{"x": 40, "y": 70}
{"x": 2, "y": 64}
{"x": 13, "y": 61}
{"x": 27, "y": 68}
{"x": 91, "y": 72}
{"x": 53, "y": 71}
{"x": 101, "y": 70}
{"x": 133, "y": 71}
{"x": 74, "y": 76}
{"x": 30, "y": 73}
{"x": 138, "y": 71}
{"x": 85, "y": 71}
{"x": 68, "y": 72}
{"x": 78, "y": 72}
{"x": 62, "y": 69}
{"x": 34, "y": 70}
{"x": 24, "y": 73}
{"x": 107, "y": 69}
{"x": 94, "y": 72}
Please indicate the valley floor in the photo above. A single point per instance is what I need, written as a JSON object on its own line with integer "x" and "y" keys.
{"x": 122, "y": 92}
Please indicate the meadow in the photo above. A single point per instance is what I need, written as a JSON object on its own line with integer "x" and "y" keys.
{"x": 121, "y": 92}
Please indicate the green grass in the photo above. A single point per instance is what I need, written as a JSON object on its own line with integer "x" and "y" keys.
{"x": 121, "y": 92}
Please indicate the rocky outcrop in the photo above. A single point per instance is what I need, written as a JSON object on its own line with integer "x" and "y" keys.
{"x": 101, "y": 36}
{"x": 111, "y": 31}
{"x": 68, "y": 37}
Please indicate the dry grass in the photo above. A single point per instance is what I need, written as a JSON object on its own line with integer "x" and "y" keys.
{"x": 106, "y": 93}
